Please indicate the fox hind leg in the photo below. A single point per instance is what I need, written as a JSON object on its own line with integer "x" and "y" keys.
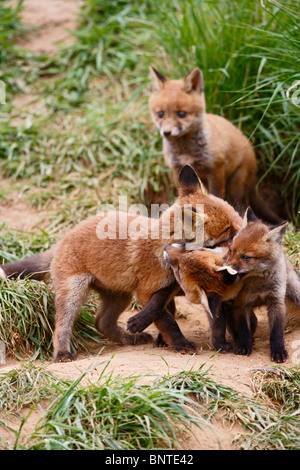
{"x": 112, "y": 305}
{"x": 70, "y": 296}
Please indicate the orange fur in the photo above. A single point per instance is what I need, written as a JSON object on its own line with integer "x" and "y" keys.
{"x": 123, "y": 267}
{"x": 220, "y": 153}
{"x": 199, "y": 270}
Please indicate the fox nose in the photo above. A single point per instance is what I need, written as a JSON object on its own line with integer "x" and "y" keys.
{"x": 167, "y": 133}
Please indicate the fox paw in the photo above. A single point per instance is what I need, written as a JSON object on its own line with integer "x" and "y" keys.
{"x": 243, "y": 351}
{"x": 159, "y": 342}
{"x": 223, "y": 347}
{"x": 142, "y": 338}
{"x": 137, "y": 323}
{"x": 279, "y": 355}
{"x": 185, "y": 347}
{"x": 64, "y": 356}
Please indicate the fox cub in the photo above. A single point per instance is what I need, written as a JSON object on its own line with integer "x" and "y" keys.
{"x": 120, "y": 266}
{"x": 220, "y": 153}
{"x": 268, "y": 279}
{"x": 254, "y": 272}
{"x": 205, "y": 272}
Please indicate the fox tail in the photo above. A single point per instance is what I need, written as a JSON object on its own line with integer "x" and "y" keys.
{"x": 35, "y": 267}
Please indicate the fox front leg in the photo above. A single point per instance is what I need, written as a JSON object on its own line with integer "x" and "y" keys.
{"x": 241, "y": 326}
{"x": 156, "y": 305}
{"x": 277, "y": 312}
{"x": 217, "y": 321}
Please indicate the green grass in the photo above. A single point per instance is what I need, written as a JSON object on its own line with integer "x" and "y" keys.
{"x": 27, "y": 321}
{"x": 112, "y": 413}
{"x": 118, "y": 413}
{"x": 270, "y": 419}
{"x": 85, "y": 138}
{"x": 250, "y": 57}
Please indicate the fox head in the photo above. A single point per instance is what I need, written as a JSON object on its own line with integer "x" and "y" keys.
{"x": 218, "y": 220}
{"x": 200, "y": 272}
{"x": 177, "y": 106}
{"x": 256, "y": 247}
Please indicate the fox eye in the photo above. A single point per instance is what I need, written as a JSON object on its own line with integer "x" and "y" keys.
{"x": 160, "y": 114}
{"x": 245, "y": 257}
{"x": 181, "y": 114}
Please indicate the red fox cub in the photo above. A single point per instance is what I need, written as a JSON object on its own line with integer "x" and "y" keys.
{"x": 268, "y": 279}
{"x": 118, "y": 266}
{"x": 253, "y": 271}
{"x": 220, "y": 153}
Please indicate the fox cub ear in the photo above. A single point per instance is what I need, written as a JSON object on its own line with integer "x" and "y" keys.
{"x": 194, "y": 81}
{"x": 249, "y": 216}
{"x": 157, "y": 78}
{"x": 276, "y": 233}
{"x": 188, "y": 180}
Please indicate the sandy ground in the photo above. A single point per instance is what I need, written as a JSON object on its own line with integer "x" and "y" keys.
{"x": 50, "y": 21}
{"x": 51, "y": 17}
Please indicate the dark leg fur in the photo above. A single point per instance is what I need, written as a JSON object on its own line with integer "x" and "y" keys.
{"x": 244, "y": 341}
{"x": 158, "y": 302}
{"x": 276, "y": 311}
{"x": 242, "y": 327}
{"x": 171, "y": 333}
{"x": 159, "y": 342}
{"x": 112, "y": 305}
{"x": 218, "y": 324}
{"x": 160, "y": 310}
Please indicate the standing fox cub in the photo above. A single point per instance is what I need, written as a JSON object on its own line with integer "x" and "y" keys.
{"x": 220, "y": 153}
{"x": 119, "y": 266}
{"x": 268, "y": 279}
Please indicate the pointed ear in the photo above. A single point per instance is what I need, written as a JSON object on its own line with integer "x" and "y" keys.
{"x": 188, "y": 181}
{"x": 276, "y": 233}
{"x": 249, "y": 216}
{"x": 194, "y": 81}
{"x": 157, "y": 78}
